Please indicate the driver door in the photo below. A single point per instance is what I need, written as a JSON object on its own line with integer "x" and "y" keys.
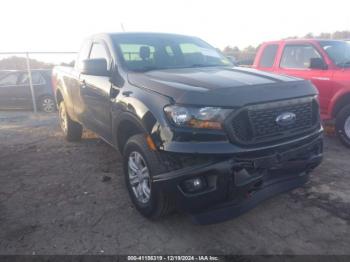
{"x": 95, "y": 93}
{"x": 295, "y": 61}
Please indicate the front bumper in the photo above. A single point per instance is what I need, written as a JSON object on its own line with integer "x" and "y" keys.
{"x": 238, "y": 183}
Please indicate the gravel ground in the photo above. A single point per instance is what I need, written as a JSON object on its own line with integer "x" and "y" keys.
{"x": 70, "y": 198}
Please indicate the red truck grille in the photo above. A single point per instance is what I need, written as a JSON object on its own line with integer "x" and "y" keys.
{"x": 257, "y": 124}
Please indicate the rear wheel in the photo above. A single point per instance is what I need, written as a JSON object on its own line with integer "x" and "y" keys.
{"x": 140, "y": 164}
{"x": 47, "y": 104}
{"x": 343, "y": 125}
{"x": 71, "y": 129}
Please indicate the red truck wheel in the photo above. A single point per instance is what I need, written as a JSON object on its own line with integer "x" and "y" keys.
{"x": 343, "y": 125}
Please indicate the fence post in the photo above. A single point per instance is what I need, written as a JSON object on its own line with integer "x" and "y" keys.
{"x": 31, "y": 83}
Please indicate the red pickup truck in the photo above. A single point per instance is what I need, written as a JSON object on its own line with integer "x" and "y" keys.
{"x": 326, "y": 63}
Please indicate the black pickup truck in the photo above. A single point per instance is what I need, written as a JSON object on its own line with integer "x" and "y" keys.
{"x": 196, "y": 133}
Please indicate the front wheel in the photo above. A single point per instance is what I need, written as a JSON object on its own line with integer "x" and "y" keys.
{"x": 71, "y": 129}
{"x": 343, "y": 125}
{"x": 140, "y": 164}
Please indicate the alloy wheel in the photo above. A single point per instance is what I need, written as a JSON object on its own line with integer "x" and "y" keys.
{"x": 139, "y": 177}
{"x": 48, "y": 105}
{"x": 347, "y": 127}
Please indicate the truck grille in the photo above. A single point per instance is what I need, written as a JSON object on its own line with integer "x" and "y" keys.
{"x": 257, "y": 123}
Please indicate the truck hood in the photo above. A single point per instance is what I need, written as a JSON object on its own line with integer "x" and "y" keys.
{"x": 221, "y": 86}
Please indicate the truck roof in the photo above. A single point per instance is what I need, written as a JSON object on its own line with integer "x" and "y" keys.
{"x": 155, "y": 34}
{"x": 311, "y": 40}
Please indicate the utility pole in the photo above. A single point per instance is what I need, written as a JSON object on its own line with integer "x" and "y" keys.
{"x": 31, "y": 83}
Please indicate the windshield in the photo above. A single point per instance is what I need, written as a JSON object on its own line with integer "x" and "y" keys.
{"x": 338, "y": 51}
{"x": 144, "y": 52}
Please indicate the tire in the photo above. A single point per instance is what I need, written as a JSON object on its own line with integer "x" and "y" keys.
{"x": 72, "y": 130}
{"x": 47, "y": 104}
{"x": 158, "y": 204}
{"x": 342, "y": 125}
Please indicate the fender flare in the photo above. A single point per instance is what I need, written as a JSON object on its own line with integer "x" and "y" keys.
{"x": 129, "y": 117}
{"x": 334, "y": 105}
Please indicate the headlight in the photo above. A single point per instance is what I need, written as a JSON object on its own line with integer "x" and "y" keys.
{"x": 197, "y": 117}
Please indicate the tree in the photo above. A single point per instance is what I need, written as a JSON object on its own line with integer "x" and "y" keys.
{"x": 341, "y": 35}
{"x": 324, "y": 36}
{"x": 309, "y": 35}
{"x": 20, "y": 63}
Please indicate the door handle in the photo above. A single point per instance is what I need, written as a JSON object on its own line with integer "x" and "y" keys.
{"x": 83, "y": 84}
{"x": 127, "y": 93}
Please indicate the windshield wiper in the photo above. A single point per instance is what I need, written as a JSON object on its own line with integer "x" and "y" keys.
{"x": 204, "y": 65}
{"x": 147, "y": 68}
{"x": 151, "y": 68}
{"x": 345, "y": 63}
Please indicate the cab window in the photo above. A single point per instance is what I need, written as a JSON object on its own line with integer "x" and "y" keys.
{"x": 37, "y": 79}
{"x": 298, "y": 56}
{"x": 268, "y": 56}
{"x": 98, "y": 51}
{"x": 9, "y": 79}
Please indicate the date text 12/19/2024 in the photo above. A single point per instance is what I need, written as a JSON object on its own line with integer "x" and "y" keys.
{"x": 172, "y": 258}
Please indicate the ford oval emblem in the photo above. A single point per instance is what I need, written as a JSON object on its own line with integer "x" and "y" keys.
{"x": 286, "y": 119}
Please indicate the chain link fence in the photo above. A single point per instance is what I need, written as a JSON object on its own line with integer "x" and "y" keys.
{"x": 29, "y": 61}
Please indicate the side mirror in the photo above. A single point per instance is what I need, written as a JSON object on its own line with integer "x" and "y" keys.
{"x": 95, "y": 67}
{"x": 317, "y": 63}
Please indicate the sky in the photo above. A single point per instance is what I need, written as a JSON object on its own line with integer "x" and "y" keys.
{"x": 61, "y": 25}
